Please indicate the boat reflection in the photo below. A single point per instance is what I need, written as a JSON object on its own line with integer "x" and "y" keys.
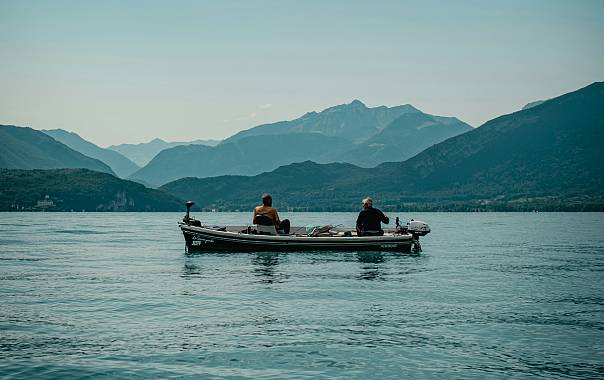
{"x": 265, "y": 264}
{"x": 191, "y": 270}
{"x": 370, "y": 257}
{"x": 370, "y": 265}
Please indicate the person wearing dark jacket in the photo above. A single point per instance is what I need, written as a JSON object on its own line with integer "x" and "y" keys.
{"x": 370, "y": 219}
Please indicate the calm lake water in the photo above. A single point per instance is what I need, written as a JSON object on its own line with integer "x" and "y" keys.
{"x": 493, "y": 295}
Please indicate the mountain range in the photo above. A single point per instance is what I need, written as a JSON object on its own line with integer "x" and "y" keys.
{"x": 352, "y": 133}
{"x": 403, "y": 138}
{"x": 26, "y": 148}
{"x": 550, "y": 156}
{"x": 121, "y": 165}
{"x": 142, "y": 153}
{"x": 354, "y": 122}
{"x": 249, "y": 155}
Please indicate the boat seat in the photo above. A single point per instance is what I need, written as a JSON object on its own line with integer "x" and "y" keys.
{"x": 266, "y": 230}
{"x": 265, "y": 225}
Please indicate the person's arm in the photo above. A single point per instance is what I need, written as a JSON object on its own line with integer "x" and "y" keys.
{"x": 359, "y": 222}
{"x": 277, "y": 221}
{"x": 254, "y": 217}
{"x": 384, "y": 218}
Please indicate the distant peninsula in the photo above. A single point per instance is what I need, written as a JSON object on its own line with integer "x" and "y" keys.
{"x": 78, "y": 190}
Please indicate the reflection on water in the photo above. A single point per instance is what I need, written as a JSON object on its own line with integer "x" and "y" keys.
{"x": 371, "y": 257}
{"x": 370, "y": 265}
{"x": 191, "y": 270}
{"x": 265, "y": 264}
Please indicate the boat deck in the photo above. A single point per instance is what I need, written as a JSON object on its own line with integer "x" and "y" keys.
{"x": 301, "y": 230}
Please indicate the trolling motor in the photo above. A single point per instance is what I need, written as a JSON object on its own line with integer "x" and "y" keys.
{"x": 187, "y": 219}
{"x": 399, "y": 228}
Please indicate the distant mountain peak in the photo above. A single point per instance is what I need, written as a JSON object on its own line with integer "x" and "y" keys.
{"x": 142, "y": 153}
{"x": 354, "y": 121}
{"x": 121, "y": 165}
{"x": 309, "y": 114}
{"x": 533, "y": 104}
{"x": 60, "y": 130}
{"x": 27, "y": 148}
{"x": 409, "y": 107}
{"x": 354, "y": 105}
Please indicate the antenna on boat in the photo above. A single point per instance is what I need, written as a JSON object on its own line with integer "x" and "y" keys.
{"x": 189, "y": 204}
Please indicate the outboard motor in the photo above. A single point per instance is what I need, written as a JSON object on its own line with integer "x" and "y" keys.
{"x": 187, "y": 219}
{"x": 417, "y": 228}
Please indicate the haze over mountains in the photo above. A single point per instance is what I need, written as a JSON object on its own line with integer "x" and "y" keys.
{"x": 350, "y": 132}
{"x": 354, "y": 122}
{"x": 26, "y": 148}
{"x": 249, "y": 155}
{"x": 142, "y": 153}
{"x": 122, "y": 166}
{"x": 549, "y": 156}
{"x": 403, "y": 138}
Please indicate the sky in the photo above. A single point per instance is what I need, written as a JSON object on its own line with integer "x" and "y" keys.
{"x": 129, "y": 71}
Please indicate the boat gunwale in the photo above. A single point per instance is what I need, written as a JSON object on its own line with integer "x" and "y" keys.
{"x": 384, "y": 239}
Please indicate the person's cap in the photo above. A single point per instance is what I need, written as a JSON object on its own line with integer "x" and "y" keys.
{"x": 367, "y": 200}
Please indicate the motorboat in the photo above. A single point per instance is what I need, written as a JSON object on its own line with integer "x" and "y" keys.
{"x": 258, "y": 238}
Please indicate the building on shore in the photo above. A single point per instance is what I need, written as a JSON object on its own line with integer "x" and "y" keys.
{"x": 45, "y": 203}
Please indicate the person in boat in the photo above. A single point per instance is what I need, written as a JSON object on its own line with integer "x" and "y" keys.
{"x": 370, "y": 219}
{"x": 267, "y": 210}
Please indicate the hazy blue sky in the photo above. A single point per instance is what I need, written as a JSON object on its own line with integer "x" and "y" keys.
{"x": 128, "y": 71}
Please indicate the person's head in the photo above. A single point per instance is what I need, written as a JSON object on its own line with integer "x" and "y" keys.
{"x": 367, "y": 202}
{"x": 267, "y": 200}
